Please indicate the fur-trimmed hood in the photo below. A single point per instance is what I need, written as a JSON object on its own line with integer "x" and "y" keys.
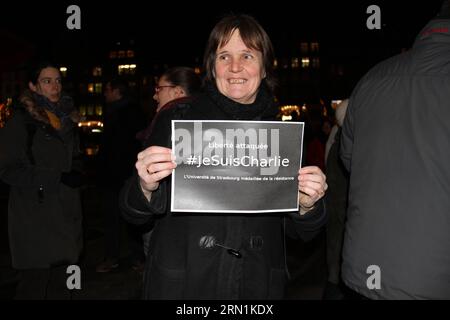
{"x": 35, "y": 105}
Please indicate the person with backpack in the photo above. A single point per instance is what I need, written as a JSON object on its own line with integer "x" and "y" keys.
{"x": 40, "y": 160}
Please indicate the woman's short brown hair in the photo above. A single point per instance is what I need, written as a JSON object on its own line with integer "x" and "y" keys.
{"x": 252, "y": 34}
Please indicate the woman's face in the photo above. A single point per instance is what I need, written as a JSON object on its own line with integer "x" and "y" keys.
{"x": 166, "y": 92}
{"x": 238, "y": 70}
{"x": 48, "y": 84}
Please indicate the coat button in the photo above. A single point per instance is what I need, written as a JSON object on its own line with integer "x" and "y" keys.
{"x": 256, "y": 242}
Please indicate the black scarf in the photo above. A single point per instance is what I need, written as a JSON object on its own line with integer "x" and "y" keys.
{"x": 262, "y": 108}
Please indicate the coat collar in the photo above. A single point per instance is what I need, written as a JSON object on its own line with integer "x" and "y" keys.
{"x": 437, "y": 30}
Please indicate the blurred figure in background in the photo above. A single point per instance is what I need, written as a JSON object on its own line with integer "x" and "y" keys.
{"x": 122, "y": 120}
{"x": 339, "y": 118}
{"x": 336, "y": 203}
{"x": 315, "y": 139}
{"x": 176, "y": 86}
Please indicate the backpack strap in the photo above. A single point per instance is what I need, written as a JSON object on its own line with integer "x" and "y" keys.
{"x": 31, "y": 130}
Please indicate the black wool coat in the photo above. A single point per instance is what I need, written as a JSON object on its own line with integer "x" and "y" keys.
{"x": 178, "y": 267}
{"x": 44, "y": 215}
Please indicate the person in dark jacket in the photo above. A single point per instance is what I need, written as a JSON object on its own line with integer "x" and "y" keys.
{"x": 239, "y": 75}
{"x": 336, "y": 202}
{"x": 395, "y": 143}
{"x": 175, "y": 86}
{"x": 122, "y": 120}
{"x": 176, "y": 83}
{"x": 40, "y": 160}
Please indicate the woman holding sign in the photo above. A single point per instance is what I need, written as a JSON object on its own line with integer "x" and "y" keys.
{"x": 220, "y": 256}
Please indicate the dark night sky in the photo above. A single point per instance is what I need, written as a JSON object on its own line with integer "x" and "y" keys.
{"x": 169, "y": 29}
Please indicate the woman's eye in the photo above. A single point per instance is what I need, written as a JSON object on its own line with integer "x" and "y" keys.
{"x": 248, "y": 56}
{"x": 223, "y": 58}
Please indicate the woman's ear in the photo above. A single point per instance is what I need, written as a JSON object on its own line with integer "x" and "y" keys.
{"x": 32, "y": 86}
{"x": 179, "y": 91}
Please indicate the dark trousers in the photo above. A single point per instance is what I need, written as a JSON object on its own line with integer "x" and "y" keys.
{"x": 335, "y": 239}
{"x": 113, "y": 228}
{"x": 43, "y": 284}
{"x": 111, "y": 215}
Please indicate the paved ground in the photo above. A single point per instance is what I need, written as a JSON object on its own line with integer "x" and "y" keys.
{"x": 307, "y": 262}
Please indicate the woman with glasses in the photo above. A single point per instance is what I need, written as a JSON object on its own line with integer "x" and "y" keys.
{"x": 248, "y": 261}
{"x": 176, "y": 83}
{"x": 176, "y": 86}
{"x": 39, "y": 159}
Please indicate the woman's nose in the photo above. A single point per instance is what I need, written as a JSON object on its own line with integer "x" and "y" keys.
{"x": 235, "y": 65}
{"x": 55, "y": 85}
